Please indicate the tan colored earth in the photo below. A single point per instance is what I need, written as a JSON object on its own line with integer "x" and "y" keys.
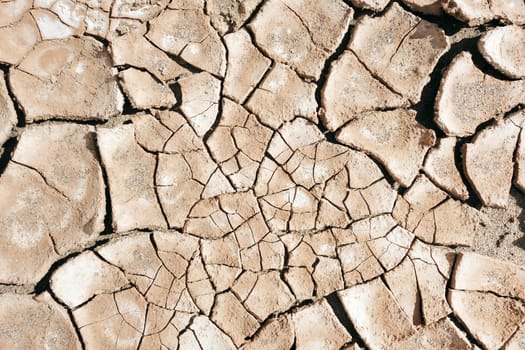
{"x": 262, "y": 174}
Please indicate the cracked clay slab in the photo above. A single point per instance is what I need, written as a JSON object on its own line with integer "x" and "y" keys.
{"x": 301, "y": 39}
{"x": 395, "y": 138}
{"x": 504, "y": 48}
{"x": 489, "y": 160}
{"x": 65, "y": 80}
{"x": 399, "y": 48}
{"x": 261, "y": 174}
{"x": 468, "y": 97}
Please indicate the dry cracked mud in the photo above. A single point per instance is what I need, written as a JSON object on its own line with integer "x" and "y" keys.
{"x": 262, "y": 174}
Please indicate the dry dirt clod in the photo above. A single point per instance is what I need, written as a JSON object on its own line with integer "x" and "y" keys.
{"x": 301, "y": 33}
{"x": 246, "y": 66}
{"x": 395, "y": 138}
{"x": 471, "y": 11}
{"x": 134, "y": 50}
{"x": 31, "y": 242}
{"x": 300, "y": 282}
{"x": 150, "y": 133}
{"x": 433, "y": 266}
{"x": 50, "y": 25}
{"x": 310, "y": 175}
{"x": 443, "y": 334}
{"x": 52, "y": 208}
{"x": 489, "y": 161}
{"x": 326, "y": 332}
{"x": 80, "y": 182}
{"x": 480, "y": 273}
{"x": 277, "y": 333}
{"x": 200, "y": 100}
{"x": 440, "y": 166}
{"x": 261, "y": 303}
{"x": 475, "y": 12}
{"x": 504, "y": 49}
{"x": 467, "y": 97}
{"x": 419, "y": 284}
{"x": 516, "y": 341}
{"x": 186, "y": 4}
{"x": 421, "y": 197}
{"x": 136, "y": 258}
{"x": 49, "y": 325}
{"x": 12, "y": 11}
{"x": 367, "y": 306}
{"x": 358, "y": 262}
{"x": 189, "y": 35}
{"x": 214, "y": 218}
{"x": 456, "y": 223}
{"x": 112, "y": 320}
{"x": 152, "y": 279}
{"x": 70, "y": 13}
{"x": 423, "y": 209}
{"x": 233, "y": 319}
{"x": 281, "y": 96}
{"x": 70, "y": 79}
{"x": 403, "y": 284}
{"x": 477, "y": 310}
{"x": 17, "y": 39}
{"x": 77, "y": 281}
{"x": 351, "y": 89}
{"x": 130, "y": 172}
{"x": 209, "y": 335}
{"x": 374, "y": 200}
{"x": 144, "y": 91}
{"x": 399, "y": 48}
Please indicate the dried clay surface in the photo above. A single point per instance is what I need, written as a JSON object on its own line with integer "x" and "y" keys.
{"x": 262, "y": 174}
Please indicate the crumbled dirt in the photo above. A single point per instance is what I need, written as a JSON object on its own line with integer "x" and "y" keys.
{"x": 262, "y": 174}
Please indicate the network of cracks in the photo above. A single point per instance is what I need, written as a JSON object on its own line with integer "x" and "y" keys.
{"x": 259, "y": 174}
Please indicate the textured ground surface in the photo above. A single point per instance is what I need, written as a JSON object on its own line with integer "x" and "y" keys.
{"x": 262, "y": 174}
